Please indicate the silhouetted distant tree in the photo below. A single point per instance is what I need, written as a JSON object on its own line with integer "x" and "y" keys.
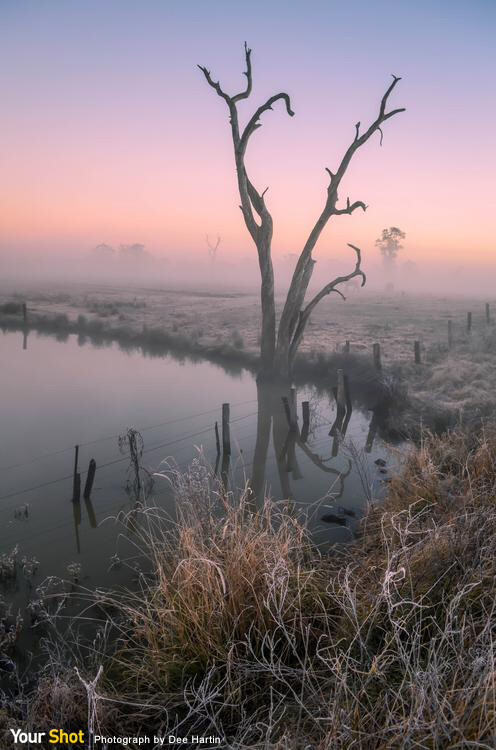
{"x": 279, "y": 346}
{"x": 134, "y": 252}
{"x": 389, "y": 244}
{"x": 104, "y": 251}
{"x": 212, "y": 248}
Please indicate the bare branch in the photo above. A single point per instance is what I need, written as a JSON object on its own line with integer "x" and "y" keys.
{"x": 376, "y": 125}
{"x": 386, "y": 95}
{"x": 254, "y": 123}
{"x": 331, "y": 286}
{"x": 350, "y": 207}
{"x": 327, "y": 289}
{"x": 215, "y": 84}
{"x": 249, "y": 81}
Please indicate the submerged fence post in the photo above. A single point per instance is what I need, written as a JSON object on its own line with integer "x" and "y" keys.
{"x": 90, "y": 478}
{"x": 469, "y": 322}
{"x": 488, "y": 314}
{"x": 226, "y": 430}
{"x": 416, "y": 351}
{"x": 376, "y": 349}
{"x": 341, "y": 394}
{"x": 287, "y": 410}
{"x": 293, "y": 406}
{"x": 76, "y": 480}
{"x": 217, "y": 438}
{"x": 305, "y": 411}
{"x": 450, "y": 334}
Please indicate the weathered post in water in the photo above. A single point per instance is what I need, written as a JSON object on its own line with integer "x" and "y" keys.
{"x": 376, "y": 350}
{"x": 226, "y": 430}
{"x": 450, "y": 334}
{"x": 90, "y": 478}
{"x": 217, "y": 438}
{"x": 289, "y": 412}
{"x": 305, "y": 411}
{"x": 416, "y": 352}
{"x": 76, "y": 480}
{"x": 469, "y": 322}
{"x": 341, "y": 394}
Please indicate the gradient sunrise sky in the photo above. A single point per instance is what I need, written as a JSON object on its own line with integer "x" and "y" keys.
{"x": 110, "y": 133}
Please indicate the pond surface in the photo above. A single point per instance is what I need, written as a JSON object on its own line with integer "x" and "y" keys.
{"x": 56, "y": 394}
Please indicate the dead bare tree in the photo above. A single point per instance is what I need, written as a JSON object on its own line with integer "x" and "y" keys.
{"x": 212, "y": 249}
{"x": 278, "y": 348}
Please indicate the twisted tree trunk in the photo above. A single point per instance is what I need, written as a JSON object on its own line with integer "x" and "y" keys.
{"x": 278, "y": 347}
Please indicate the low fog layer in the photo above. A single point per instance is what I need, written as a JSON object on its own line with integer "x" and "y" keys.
{"x": 133, "y": 265}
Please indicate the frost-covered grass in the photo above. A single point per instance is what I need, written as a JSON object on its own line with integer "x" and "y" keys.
{"x": 245, "y": 630}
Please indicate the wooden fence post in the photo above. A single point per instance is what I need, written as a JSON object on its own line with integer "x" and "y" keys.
{"x": 416, "y": 350}
{"x": 293, "y": 405}
{"x": 376, "y": 349}
{"x": 217, "y": 438}
{"x": 346, "y": 348}
{"x": 305, "y": 410}
{"x": 341, "y": 395}
{"x": 469, "y": 322}
{"x": 450, "y": 334}
{"x": 287, "y": 411}
{"x": 76, "y": 480}
{"x": 226, "y": 430}
{"x": 90, "y": 478}
{"x": 24, "y": 312}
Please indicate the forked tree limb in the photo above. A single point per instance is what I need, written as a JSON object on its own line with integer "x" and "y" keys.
{"x": 254, "y": 124}
{"x": 299, "y": 282}
{"x": 329, "y": 288}
{"x": 249, "y": 80}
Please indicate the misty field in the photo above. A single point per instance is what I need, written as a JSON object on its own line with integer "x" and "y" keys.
{"x": 452, "y": 381}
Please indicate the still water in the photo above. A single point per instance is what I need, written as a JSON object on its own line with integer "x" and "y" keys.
{"x": 56, "y": 394}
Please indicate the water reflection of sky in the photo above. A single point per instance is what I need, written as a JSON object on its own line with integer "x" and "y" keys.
{"x": 59, "y": 394}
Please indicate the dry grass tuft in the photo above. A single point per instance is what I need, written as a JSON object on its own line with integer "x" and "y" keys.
{"x": 247, "y": 632}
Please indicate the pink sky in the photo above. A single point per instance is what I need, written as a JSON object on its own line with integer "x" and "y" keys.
{"x": 110, "y": 133}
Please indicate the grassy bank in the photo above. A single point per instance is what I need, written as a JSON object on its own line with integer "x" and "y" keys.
{"x": 310, "y": 367}
{"x": 448, "y": 387}
{"x": 246, "y": 631}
